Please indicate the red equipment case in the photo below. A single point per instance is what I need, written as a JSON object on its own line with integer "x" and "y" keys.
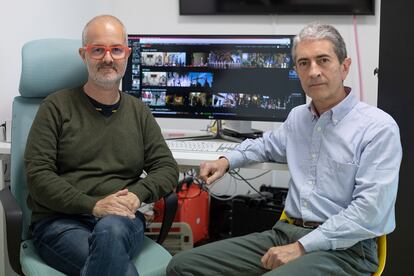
{"x": 193, "y": 209}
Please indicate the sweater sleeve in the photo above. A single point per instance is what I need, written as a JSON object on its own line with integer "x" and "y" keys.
{"x": 45, "y": 185}
{"x": 159, "y": 164}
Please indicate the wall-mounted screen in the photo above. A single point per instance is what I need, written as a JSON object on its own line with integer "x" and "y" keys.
{"x": 227, "y": 7}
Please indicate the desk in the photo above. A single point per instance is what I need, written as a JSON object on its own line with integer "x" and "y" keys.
{"x": 5, "y": 148}
{"x": 193, "y": 159}
{"x": 5, "y": 268}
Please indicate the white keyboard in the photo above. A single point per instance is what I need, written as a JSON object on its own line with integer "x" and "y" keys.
{"x": 201, "y": 146}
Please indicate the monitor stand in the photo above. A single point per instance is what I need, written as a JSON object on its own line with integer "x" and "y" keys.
{"x": 236, "y": 131}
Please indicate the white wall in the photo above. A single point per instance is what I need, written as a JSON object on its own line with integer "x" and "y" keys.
{"x": 24, "y": 20}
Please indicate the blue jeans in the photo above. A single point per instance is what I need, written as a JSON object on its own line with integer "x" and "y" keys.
{"x": 85, "y": 245}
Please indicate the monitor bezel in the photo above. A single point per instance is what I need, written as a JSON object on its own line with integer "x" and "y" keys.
{"x": 205, "y": 8}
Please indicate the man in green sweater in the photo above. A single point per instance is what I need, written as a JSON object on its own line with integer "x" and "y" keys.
{"x": 85, "y": 155}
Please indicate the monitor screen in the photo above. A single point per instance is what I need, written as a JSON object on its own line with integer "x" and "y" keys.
{"x": 214, "y": 77}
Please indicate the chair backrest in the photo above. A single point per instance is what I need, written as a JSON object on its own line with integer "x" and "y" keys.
{"x": 382, "y": 254}
{"x": 48, "y": 65}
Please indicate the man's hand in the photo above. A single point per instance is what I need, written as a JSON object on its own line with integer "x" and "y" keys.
{"x": 122, "y": 203}
{"x": 133, "y": 201}
{"x": 280, "y": 255}
{"x": 213, "y": 170}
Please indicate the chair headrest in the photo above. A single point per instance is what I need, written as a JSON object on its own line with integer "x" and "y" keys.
{"x": 49, "y": 65}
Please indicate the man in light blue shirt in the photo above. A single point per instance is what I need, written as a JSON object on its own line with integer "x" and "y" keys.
{"x": 343, "y": 157}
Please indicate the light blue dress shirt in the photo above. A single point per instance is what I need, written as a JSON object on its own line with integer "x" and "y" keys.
{"x": 344, "y": 168}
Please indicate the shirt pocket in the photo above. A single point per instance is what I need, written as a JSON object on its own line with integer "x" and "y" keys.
{"x": 337, "y": 181}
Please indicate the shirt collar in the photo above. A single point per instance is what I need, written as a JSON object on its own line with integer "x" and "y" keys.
{"x": 339, "y": 111}
{"x": 344, "y": 107}
{"x": 313, "y": 111}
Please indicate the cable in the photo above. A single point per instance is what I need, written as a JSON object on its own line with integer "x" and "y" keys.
{"x": 247, "y": 182}
{"x": 252, "y": 178}
{"x": 222, "y": 199}
{"x": 232, "y": 184}
{"x": 361, "y": 92}
{"x": 206, "y": 188}
{"x": 188, "y": 181}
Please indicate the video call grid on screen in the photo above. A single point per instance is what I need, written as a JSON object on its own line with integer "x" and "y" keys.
{"x": 214, "y": 77}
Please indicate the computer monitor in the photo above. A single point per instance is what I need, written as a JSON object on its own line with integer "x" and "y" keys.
{"x": 221, "y": 77}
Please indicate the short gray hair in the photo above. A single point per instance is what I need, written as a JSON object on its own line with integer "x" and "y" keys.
{"x": 104, "y": 17}
{"x": 317, "y": 31}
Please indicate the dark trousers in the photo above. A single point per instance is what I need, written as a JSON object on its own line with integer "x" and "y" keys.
{"x": 242, "y": 255}
{"x": 84, "y": 245}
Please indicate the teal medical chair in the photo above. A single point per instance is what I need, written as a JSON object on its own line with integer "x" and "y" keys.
{"x": 49, "y": 65}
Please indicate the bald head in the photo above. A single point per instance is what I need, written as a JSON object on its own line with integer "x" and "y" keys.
{"x": 102, "y": 21}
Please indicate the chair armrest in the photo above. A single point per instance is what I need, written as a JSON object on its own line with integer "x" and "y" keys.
{"x": 13, "y": 216}
{"x": 170, "y": 208}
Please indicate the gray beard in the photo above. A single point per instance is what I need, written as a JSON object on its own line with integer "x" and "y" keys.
{"x": 106, "y": 83}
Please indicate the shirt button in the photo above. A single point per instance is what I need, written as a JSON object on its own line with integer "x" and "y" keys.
{"x": 314, "y": 156}
{"x": 310, "y": 182}
{"x": 319, "y": 129}
{"x": 305, "y": 203}
{"x": 335, "y": 121}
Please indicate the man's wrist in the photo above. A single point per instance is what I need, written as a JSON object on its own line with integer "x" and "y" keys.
{"x": 301, "y": 248}
{"x": 226, "y": 162}
{"x": 315, "y": 241}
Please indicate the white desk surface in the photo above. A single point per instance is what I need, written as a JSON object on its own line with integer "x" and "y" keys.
{"x": 193, "y": 159}
{"x": 5, "y": 148}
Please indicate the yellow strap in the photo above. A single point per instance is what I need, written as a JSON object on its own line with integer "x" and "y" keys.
{"x": 283, "y": 216}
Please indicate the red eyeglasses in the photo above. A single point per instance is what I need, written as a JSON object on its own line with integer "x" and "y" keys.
{"x": 99, "y": 51}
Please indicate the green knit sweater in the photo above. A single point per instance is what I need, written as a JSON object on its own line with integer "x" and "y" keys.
{"x": 75, "y": 156}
